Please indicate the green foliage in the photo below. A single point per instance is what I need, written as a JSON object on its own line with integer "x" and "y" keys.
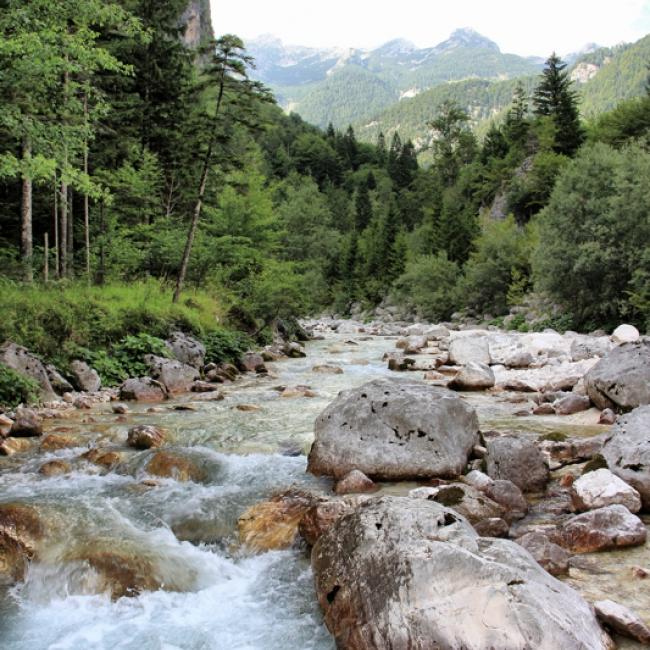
{"x": 225, "y": 345}
{"x": 500, "y": 259}
{"x": 594, "y": 235}
{"x": 428, "y": 286}
{"x": 16, "y": 389}
{"x": 518, "y": 324}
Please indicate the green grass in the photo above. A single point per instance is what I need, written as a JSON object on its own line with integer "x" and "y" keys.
{"x": 54, "y": 321}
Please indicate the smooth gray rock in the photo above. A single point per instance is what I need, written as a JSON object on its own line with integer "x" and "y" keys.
{"x": 143, "y": 389}
{"x": 517, "y": 460}
{"x": 570, "y": 404}
{"x": 177, "y": 377}
{"x": 401, "y": 573}
{"x": 548, "y": 555}
{"x": 627, "y": 451}
{"x": 622, "y": 620}
{"x": 473, "y": 376}
{"x": 394, "y": 430}
{"x": 464, "y": 349}
{"x": 508, "y": 495}
{"x": 600, "y": 530}
{"x": 621, "y": 380}
{"x": 519, "y": 359}
{"x": 602, "y": 488}
{"x": 24, "y": 362}
{"x": 85, "y": 377}
{"x": 186, "y": 349}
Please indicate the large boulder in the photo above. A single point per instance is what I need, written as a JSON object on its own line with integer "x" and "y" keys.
{"x": 621, "y": 380}
{"x": 473, "y": 376}
{"x": 177, "y": 377}
{"x": 410, "y": 573}
{"x": 623, "y": 620}
{"x": 465, "y": 349}
{"x": 21, "y": 529}
{"x": 186, "y": 349}
{"x": 602, "y": 488}
{"x": 145, "y": 436}
{"x": 85, "y": 378}
{"x": 600, "y": 530}
{"x": 24, "y": 362}
{"x": 59, "y": 383}
{"x": 394, "y": 430}
{"x": 143, "y": 389}
{"x": 28, "y": 424}
{"x": 547, "y": 554}
{"x": 518, "y": 460}
{"x": 627, "y": 452}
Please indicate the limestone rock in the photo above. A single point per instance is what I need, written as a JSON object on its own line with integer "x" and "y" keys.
{"x": 602, "y": 488}
{"x": 167, "y": 464}
{"x": 621, "y": 380}
{"x": 59, "y": 383}
{"x": 28, "y": 423}
{"x": 622, "y": 620}
{"x": 600, "y": 530}
{"x": 627, "y": 452}
{"x": 177, "y": 377}
{"x": 145, "y": 436}
{"x": 143, "y": 389}
{"x": 186, "y": 349}
{"x": 570, "y": 404}
{"x": 517, "y": 460}
{"x": 55, "y": 468}
{"x": 469, "y": 348}
{"x": 547, "y": 554}
{"x": 473, "y": 376}
{"x": 509, "y": 496}
{"x": 625, "y": 334}
{"x": 85, "y": 377}
{"x": 21, "y": 529}
{"x": 23, "y": 361}
{"x": 354, "y": 482}
{"x": 394, "y": 430}
{"x": 410, "y": 573}
{"x": 327, "y": 369}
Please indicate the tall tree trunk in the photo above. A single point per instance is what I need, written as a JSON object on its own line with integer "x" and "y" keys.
{"x": 63, "y": 230}
{"x": 57, "y": 267}
{"x": 70, "y": 237}
{"x": 46, "y": 259}
{"x": 207, "y": 161}
{"x": 86, "y": 201}
{"x": 101, "y": 273}
{"x": 26, "y": 214}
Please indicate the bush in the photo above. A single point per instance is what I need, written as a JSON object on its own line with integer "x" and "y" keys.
{"x": 428, "y": 286}
{"x": 593, "y": 255}
{"x": 15, "y": 388}
{"x": 225, "y": 345}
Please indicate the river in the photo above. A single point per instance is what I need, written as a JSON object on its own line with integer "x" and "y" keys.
{"x": 216, "y": 595}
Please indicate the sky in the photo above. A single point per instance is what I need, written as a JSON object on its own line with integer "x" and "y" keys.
{"x": 517, "y": 26}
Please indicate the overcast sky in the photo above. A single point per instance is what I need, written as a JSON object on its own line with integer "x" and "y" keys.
{"x": 518, "y": 26}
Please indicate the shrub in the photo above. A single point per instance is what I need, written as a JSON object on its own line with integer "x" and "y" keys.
{"x": 15, "y": 388}
{"x": 225, "y": 345}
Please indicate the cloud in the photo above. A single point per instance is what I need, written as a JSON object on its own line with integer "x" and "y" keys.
{"x": 518, "y": 26}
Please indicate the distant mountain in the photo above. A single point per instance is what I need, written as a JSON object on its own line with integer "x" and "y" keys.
{"x": 350, "y": 85}
{"x": 603, "y": 77}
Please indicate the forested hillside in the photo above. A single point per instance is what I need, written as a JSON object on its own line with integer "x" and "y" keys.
{"x": 167, "y": 178}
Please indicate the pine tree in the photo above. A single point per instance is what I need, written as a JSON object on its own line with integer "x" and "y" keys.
{"x": 392, "y": 159}
{"x": 555, "y": 98}
{"x": 362, "y": 208}
{"x": 516, "y": 124}
{"x": 381, "y": 149}
{"x": 351, "y": 149}
{"x": 452, "y": 138}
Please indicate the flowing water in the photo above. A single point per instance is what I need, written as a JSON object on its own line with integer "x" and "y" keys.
{"x": 215, "y": 595}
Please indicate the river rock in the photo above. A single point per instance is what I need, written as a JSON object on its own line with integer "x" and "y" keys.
{"x": 621, "y": 380}
{"x": 327, "y": 369}
{"x": 519, "y": 359}
{"x": 177, "y": 377}
{"x": 252, "y": 362}
{"x": 354, "y": 482}
{"x": 492, "y": 527}
{"x": 11, "y": 446}
{"x": 55, "y": 467}
{"x": 625, "y": 334}
{"x": 473, "y": 376}
{"x": 410, "y": 573}
{"x": 607, "y": 416}
{"x": 544, "y": 409}
{"x": 21, "y": 529}
{"x": 602, "y": 488}
{"x": 143, "y": 389}
{"x": 273, "y": 524}
{"x": 547, "y": 554}
{"x": 28, "y": 423}
{"x": 54, "y": 441}
{"x": 468, "y": 349}
{"x": 570, "y": 404}
{"x": 59, "y": 383}
{"x": 572, "y": 450}
{"x": 517, "y": 460}
{"x": 509, "y": 496}
{"x": 600, "y": 530}
{"x": 145, "y": 436}
{"x": 85, "y": 378}
{"x": 320, "y": 517}
{"x": 622, "y": 620}
{"x": 394, "y": 430}
{"x": 5, "y": 425}
{"x": 627, "y": 452}
{"x": 167, "y": 464}
{"x": 186, "y": 349}
{"x": 588, "y": 347}
{"x": 24, "y": 362}
{"x": 412, "y": 344}
{"x": 294, "y": 350}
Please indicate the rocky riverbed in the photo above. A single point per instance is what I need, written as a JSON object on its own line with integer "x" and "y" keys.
{"x": 186, "y": 523}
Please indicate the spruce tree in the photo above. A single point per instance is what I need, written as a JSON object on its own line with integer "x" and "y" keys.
{"x": 362, "y": 208}
{"x": 555, "y": 98}
{"x": 516, "y": 124}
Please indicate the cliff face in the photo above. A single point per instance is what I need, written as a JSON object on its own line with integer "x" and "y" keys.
{"x": 198, "y": 22}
